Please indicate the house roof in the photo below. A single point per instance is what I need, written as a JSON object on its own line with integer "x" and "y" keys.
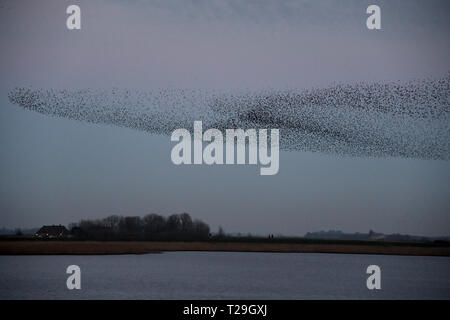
{"x": 53, "y": 230}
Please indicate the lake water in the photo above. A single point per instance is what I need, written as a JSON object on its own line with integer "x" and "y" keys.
{"x": 225, "y": 275}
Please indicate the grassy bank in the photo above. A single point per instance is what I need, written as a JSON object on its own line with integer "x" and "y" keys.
{"x": 30, "y": 247}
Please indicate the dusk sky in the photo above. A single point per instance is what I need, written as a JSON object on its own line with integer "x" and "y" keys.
{"x": 56, "y": 171}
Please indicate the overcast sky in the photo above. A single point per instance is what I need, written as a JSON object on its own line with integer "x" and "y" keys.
{"x": 55, "y": 170}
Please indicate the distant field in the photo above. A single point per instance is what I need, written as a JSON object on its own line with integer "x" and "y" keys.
{"x": 140, "y": 247}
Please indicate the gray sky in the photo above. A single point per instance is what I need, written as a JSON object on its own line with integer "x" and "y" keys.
{"x": 58, "y": 171}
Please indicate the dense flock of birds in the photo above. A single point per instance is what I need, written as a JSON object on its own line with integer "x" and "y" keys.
{"x": 380, "y": 119}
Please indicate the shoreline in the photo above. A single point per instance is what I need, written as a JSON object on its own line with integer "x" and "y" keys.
{"x": 144, "y": 247}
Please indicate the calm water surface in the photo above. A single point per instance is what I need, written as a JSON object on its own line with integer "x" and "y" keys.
{"x": 225, "y": 275}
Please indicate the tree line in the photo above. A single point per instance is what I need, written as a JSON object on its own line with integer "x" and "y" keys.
{"x": 150, "y": 227}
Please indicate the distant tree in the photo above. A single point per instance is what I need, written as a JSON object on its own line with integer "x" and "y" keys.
{"x": 130, "y": 225}
{"x": 72, "y": 225}
{"x": 112, "y": 222}
{"x": 201, "y": 229}
{"x": 186, "y": 222}
{"x": 18, "y": 232}
{"x": 174, "y": 223}
{"x": 221, "y": 232}
{"x": 154, "y": 224}
{"x": 151, "y": 226}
